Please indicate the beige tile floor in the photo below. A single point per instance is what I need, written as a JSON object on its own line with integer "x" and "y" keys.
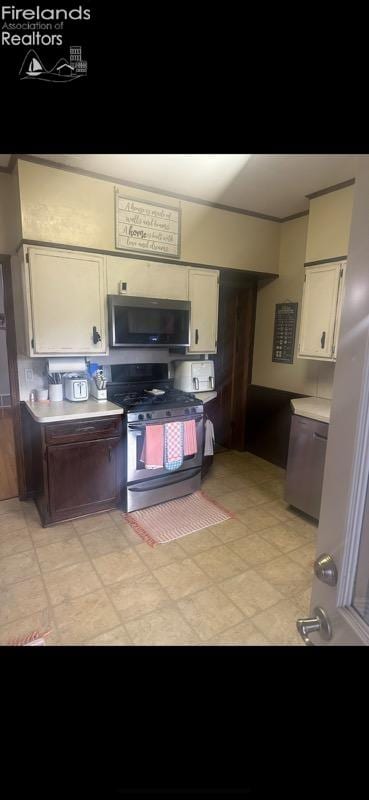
{"x": 93, "y": 581}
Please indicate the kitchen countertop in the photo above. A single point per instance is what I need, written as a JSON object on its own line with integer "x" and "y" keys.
{"x": 51, "y": 411}
{"x": 205, "y": 396}
{"x": 313, "y": 408}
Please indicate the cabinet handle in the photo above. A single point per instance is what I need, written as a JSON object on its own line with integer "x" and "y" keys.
{"x": 84, "y": 428}
{"x": 320, "y": 436}
{"x": 196, "y": 336}
{"x": 95, "y": 335}
{"x": 109, "y": 453}
{"x": 322, "y": 341}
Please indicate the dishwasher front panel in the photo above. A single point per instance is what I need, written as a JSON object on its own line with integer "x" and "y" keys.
{"x": 305, "y": 465}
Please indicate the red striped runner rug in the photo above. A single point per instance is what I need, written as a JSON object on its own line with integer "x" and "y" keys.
{"x": 172, "y": 520}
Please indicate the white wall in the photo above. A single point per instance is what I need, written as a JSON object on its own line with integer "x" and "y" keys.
{"x": 303, "y": 376}
{"x": 124, "y": 356}
{"x": 10, "y": 218}
{"x": 67, "y": 208}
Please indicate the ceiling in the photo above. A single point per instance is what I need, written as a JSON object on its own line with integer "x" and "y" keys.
{"x": 275, "y": 185}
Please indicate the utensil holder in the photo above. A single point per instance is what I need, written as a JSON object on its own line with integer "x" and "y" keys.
{"x": 55, "y": 391}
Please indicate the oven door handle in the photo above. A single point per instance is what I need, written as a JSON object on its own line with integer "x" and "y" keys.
{"x": 132, "y": 426}
{"x": 165, "y": 480}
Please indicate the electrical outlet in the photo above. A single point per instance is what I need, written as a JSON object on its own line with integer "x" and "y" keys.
{"x": 29, "y": 375}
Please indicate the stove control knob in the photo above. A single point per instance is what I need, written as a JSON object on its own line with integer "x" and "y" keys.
{"x": 168, "y": 413}
{"x": 187, "y": 411}
{"x": 140, "y": 416}
{"x": 148, "y": 416}
{"x": 193, "y": 410}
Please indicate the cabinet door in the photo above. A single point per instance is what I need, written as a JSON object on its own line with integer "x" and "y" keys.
{"x": 318, "y": 315}
{"x": 305, "y": 465}
{"x": 147, "y": 279}
{"x": 339, "y": 308}
{"x": 83, "y": 477}
{"x": 203, "y": 295}
{"x": 67, "y": 299}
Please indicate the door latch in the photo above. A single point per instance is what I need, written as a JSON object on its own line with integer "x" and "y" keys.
{"x": 320, "y": 623}
{"x": 326, "y": 570}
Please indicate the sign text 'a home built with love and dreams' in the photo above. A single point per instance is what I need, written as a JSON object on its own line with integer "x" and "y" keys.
{"x": 146, "y": 227}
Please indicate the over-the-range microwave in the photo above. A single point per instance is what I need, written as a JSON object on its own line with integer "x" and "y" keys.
{"x": 148, "y": 322}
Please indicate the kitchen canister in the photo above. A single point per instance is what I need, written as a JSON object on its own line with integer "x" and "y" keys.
{"x": 55, "y": 391}
{"x": 42, "y": 395}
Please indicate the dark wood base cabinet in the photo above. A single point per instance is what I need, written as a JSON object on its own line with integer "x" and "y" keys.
{"x": 74, "y": 468}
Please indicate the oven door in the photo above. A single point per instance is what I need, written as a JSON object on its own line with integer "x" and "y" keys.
{"x": 160, "y": 490}
{"x": 135, "y": 441}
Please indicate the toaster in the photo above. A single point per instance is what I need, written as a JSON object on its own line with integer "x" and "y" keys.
{"x": 194, "y": 376}
{"x": 76, "y": 389}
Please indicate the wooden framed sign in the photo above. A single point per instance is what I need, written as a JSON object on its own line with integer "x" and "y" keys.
{"x": 146, "y": 227}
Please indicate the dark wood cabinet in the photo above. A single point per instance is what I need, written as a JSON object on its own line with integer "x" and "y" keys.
{"x": 83, "y": 476}
{"x": 75, "y": 468}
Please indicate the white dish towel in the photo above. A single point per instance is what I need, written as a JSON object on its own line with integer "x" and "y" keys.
{"x": 209, "y": 438}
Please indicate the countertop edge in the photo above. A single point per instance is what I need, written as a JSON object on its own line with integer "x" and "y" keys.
{"x": 72, "y": 416}
{"x": 206, "y": 396}
{"x": 311, "y": 415}
{"x": 304, "y": 407}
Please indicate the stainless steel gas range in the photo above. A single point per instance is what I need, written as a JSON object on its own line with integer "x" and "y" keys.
{"x": 129, "y": 388}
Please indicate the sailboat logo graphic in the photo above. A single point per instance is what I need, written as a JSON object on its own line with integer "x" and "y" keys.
{"x": 35, "y": 68}
{"x": 63, "y": 72}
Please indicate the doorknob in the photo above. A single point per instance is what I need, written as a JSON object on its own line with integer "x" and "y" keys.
{"x": 326, "y": 570}
{"x": 319, "y": 623}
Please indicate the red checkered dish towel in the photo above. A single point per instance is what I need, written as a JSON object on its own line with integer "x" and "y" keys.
{"x": 173, "y": 445}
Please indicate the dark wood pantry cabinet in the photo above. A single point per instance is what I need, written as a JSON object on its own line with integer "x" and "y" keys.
{"x": 74, "y": 468}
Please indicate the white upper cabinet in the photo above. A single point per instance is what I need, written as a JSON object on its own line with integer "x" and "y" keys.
{"x": 203, "y": 294}
{"x": 65, "y": 293}
{"x": 147, "y": 279}
{"x": 321, "y": 311}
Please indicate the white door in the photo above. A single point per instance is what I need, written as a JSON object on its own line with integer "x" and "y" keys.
{"x": 339, "y": 611}
{"x": 67, "y": 299}
{"x": 203, "y": 295}
{"x": 318, "y": 313}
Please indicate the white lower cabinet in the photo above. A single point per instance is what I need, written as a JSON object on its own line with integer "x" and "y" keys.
{"x": 203, "y": 294}
{"x": 147, "y": 279}
{"x": 321, "y": 311}
{"x": 65, "y": 294}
